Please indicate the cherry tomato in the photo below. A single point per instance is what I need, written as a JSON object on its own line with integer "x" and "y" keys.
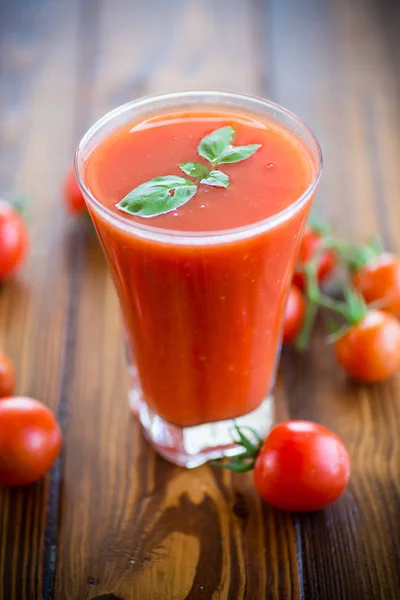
{"x": 30, "y": 440}
{"x": 309, "y": 245}
{"x": 7, "y": 376}
{"x": 301, "y": 466}
{"x": 73, "y": 196}
{"x": 379, "y": 281}
{"x": 370, "y": 350}
{"x": 13, "y": 240}
{"x": 294, "y": 315}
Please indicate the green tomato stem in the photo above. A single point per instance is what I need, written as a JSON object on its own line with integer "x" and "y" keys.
{"x": 303, "y": 338}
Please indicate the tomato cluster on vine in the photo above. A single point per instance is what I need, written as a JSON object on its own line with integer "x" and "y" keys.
{"x": 367, "y": 336}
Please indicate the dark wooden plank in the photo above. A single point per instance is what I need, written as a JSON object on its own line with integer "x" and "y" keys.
{"x": 132, "y": 525}
{"x": 37, "y": 64}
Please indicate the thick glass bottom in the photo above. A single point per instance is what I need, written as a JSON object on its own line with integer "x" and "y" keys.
{"x": 192, "y": 446}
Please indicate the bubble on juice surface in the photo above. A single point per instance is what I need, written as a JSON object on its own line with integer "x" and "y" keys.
{"x": 270, "y": 165}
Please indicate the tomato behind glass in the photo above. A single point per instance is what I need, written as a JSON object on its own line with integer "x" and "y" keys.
{"x": 310, "y": 244}
{"x": 73, "y": 196}
{"x": 294, "y": 315}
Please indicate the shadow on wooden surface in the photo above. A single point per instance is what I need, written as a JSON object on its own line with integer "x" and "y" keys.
{"x": 114, "y": 521}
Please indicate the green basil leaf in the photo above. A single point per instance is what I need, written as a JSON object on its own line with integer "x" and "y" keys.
{"x": 213, "y": 145}
{"x": 163, "y": 194}
{"x": 237, "y": 153}
{"x": 158, "y": 196}
{"x": 216, "y": 178}
{"x": 194, "y": 169}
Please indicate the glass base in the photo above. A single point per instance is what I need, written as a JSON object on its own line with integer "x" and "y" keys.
{"x": 192, "y": 446}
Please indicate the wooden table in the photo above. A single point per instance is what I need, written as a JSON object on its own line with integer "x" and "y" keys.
{"x": 114, "y": 521}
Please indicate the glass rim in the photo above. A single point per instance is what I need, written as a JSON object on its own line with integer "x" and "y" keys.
{"x": 195, "y": 237}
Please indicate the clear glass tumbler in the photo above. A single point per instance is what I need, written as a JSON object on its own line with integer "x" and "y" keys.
{"x": 208, "y": 358}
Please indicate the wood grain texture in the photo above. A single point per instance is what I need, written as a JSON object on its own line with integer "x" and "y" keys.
{"x": 116, "y": 522}
{"x": 34, "y": 151}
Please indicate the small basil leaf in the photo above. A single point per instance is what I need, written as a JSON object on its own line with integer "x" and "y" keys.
{"x": 154, "y": 197}
{"x": 194, "y": 169}
{"x": 213, "y": 145}
{"x": 216, "y": 178}
{"x": 237, "y": 153}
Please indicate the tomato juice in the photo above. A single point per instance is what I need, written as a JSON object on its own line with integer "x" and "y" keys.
{"x": 202, "y": 288}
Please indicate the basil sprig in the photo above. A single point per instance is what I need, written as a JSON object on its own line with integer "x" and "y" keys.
{"x": 218, "y": 150}
{"x": 163, "y": 194}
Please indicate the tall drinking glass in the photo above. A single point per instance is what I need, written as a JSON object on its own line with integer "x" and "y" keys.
{"x": 202, "y": 306}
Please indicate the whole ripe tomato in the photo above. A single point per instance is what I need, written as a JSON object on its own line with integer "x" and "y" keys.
{"x": 309, "y": 246}
{"x": 13, "y": 240}
{"x": 370, "y": 350}
{"x": 73, "y": 196}
{"x": 294, "y": 314}
{"x": 30, "y": 440}
{"x": 379, "y": 281}
{"x": 7, "y": 376}
{"x": 301, "y": 466}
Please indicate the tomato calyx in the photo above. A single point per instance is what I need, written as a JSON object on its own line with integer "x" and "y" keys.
{"x": 352, "y": 310}
{"x": 19, "y": 205}
{"x": 355, "y": 256}
{"x": 245, "y": 461}
{"x": 313, "y": 296}
{"x": 320, "y": 227}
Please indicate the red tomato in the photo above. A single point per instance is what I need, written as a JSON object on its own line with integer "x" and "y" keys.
{"x": 13, "y": 240}
{"x": 73, "y": 196}
{"x": 379, "y": 281}
{"x": 294, "y": 315}
{"x": 370, "y": 350}
{"x": 309, "y": 245}
{"x": 7, "y": 376}
{"x": 30, "y": 440}
{"x": 301, "y": 466}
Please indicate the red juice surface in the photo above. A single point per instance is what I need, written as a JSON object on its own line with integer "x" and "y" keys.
{"x": 203, "y": 319}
